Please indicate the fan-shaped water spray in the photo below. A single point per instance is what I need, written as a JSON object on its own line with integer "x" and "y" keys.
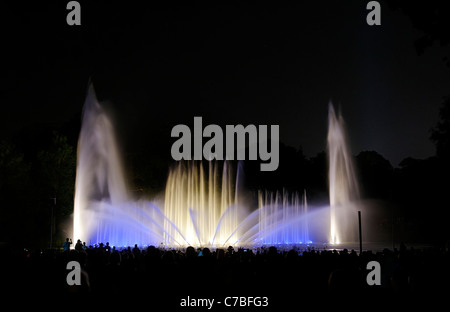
{"x": 203, "y": 203}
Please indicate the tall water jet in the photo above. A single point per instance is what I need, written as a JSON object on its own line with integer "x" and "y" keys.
{"x": 343, "y": 184}
{"x": 99, "y": 177}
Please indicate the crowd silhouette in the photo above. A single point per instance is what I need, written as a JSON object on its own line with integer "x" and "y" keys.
{"x": 164, "y": 273}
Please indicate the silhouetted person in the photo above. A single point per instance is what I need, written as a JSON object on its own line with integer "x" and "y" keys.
{"x": 78, "y": 246}
{"x": 206, "y": 252}
{"x": 190, "y": 253}
{"x": 220, "y": 254}
{"x": 66, "y": 244}
{"x": 136, "y": 251}
{"x": 107, "y": 248}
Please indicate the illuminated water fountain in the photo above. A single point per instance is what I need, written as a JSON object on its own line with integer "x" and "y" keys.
{"x": 343, "y": 184}
{"x": 201, "y": 206}
{"x": 283, "y": 218}
{"x": 204, "y": 203}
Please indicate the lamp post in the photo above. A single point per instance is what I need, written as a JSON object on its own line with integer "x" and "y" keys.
{"x": 360, "y": 232}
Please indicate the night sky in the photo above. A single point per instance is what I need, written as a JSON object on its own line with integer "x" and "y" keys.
{"x": 162, "y": 64}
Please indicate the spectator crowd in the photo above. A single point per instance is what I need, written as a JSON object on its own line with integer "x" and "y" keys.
{"x": 163, "y": 273}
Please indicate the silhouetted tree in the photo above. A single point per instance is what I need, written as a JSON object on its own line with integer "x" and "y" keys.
{"x": 290, "y": 175}
{"x": 57, "y": 168}
{"x": 13, "y": 168}
{"x": 440, "y": 134}
{"x": 376, "y": 173}
{"x": 433, "y": 19}
{"x": 317, "y": 174}
{"x": 14, "y": 190}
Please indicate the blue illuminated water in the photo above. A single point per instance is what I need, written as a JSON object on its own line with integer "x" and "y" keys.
{"x": 204, "y": 203}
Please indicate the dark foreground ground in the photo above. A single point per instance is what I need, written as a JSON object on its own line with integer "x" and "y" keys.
{"x": 277, "y": 279}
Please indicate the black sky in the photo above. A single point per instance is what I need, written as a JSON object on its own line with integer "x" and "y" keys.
{"x": 161, "y": 64}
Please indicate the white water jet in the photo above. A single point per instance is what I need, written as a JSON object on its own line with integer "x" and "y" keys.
{"x": 343, "y": 184}
{"x": 99, "y": 176}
